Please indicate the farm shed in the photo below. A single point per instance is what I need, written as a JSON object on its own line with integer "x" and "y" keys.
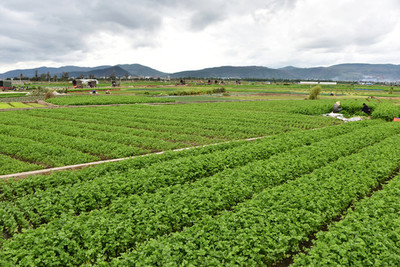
{"x": 4, "y": 84}
{"x": 328, "y": 83}
{"x": 81, "y": 83}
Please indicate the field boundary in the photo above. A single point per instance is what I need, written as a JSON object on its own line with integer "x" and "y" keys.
{"x": 23, "y": 175}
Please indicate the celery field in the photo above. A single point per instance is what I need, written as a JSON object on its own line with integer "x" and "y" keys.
{"x": 37, "y": 139}
{"x": 313, "y": 191}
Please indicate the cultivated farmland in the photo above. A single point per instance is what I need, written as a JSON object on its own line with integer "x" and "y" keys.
{"x": 59, "y": 137}
{"x": 246, "y": 203}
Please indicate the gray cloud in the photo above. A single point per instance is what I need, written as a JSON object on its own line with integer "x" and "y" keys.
{"x": 269, "y": 31}
{"x": 52, "y": 29}
{"x": 348, "y": 24}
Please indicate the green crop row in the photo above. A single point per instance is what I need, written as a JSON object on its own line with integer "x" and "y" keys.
{"x": 123, "y": 118}
{"x": 216, "y": 117}
{"x": 112, "y": 132}
{"x": 105, "y": 100}
{"x": 35, "y": 152}
{"x": 82, "y": 197}
{"x": 242, "y": 111}
{"x": 197, "y": 91}
{"x": 270, "y": 227}
{"x": 379, "y": 110}
{"x": 84, "y": 128}
{"x": 10, "y": 165}
{"x": 12, "y": 95}
{"x": 105, "y": 233}
{"x": 349, "y": 107}
{"x": 91, "y": 146}
{"x": 136, "y": 118}
{"x": 387, "y": 111}
{"x": 188, "y": 119}
{"x": 369, "y": 235}
{"x": 13, "y": 189}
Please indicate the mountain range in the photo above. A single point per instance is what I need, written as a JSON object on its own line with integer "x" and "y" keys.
{"x": 341, "y": 72}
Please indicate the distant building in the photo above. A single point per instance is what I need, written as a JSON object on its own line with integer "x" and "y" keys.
{"x": 328, "y": 83}
{"x": 5, "y": 84}
{"x": 81, "y": 83}
{"x": 316, "y": 83}
{"x": 369, "y": 81}
{"x": 308, "y": 82}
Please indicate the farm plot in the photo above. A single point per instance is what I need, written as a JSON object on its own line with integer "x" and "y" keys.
{"x": 5, "y": 106}
{"x": 232, "y": 204}
{"x": 59, "y": 137}
{"x": 106, "y": 100}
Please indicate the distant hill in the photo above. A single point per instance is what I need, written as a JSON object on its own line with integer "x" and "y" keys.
{"x": 341, "y": 72}
{"x": 53, "y": 71}
{"x": 140, "y": 70}
{"x": 103, "y": 72}
{"x": 100, "y": 71}
{"x": 348, "y": 72}
{"x": 255, "y": 72}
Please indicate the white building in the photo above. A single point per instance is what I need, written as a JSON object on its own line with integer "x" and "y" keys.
{"x": 308, "y": 83}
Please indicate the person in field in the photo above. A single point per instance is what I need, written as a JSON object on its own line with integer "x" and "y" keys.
{"x": 366, "y": 109}
{"x": 336, "y": 107}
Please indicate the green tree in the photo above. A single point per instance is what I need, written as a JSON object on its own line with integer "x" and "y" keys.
{"x": 65, "y": 76}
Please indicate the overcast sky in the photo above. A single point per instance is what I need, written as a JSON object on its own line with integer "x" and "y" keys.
{"x": 177, "y": 35}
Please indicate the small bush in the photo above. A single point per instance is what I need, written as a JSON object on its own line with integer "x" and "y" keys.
{"x": 220, "y": 90}
{"x": 48, "y": 95}
{"x": 315, "y": 91}
{"x": 39, "y": 91}
{"x": 198, "y": 92}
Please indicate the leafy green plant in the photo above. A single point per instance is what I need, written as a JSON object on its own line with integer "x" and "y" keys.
{"x": 128, "y": 221}
{"x": 114, "y": 132}
{"x": 270, "y": 226}
{"x": 387, "y": 111}
{"x": 368, "y": 235}
{"x": 148, "y": 180}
